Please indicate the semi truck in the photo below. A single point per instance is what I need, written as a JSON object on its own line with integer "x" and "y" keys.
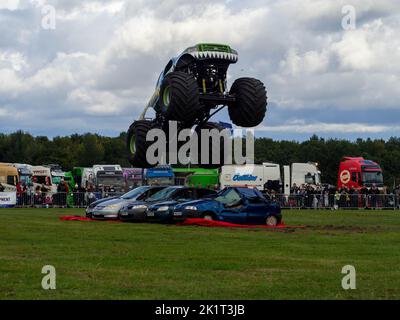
{"x": 270, "y": 176}
{"x": 357, "y": 172}
{"x": 108, "y": 177}
{"x": 133, "y": 177}
{"x": 160, "y": 175}
{"x": 196, "y": 177}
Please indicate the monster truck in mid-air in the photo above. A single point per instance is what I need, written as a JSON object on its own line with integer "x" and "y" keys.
{"x": 190, "y": 90}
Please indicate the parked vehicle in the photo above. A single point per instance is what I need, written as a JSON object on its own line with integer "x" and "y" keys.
{"x": 109, "y": 177}
{"x": 24, "y": 172}
{"x": 357, "y": 173}
{"x": 133, "y": 177}
{"x": 87, "y": 178}
{"x": 235, "y": 205}
{"x": 256, "y": 176}
{"x": 42, "y": 176}
{"x": 299, "y": 174}
{"x": 109, "y": 209}
{"x": 269, "y": 176}
{"x": 163, "y": 211}
{"x": 192, "y": 88}
{"x": 8, "y": 177}
{"x": 136, "y": 211}
{"x": 160, "y": 175}
{"x": 196, "y": 177}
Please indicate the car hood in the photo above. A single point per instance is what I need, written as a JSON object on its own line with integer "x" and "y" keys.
{"x": 199, "y": 203}
{"x": 100, "y": 201}
{"x": 164, "y": 203}
{"x": 117, "y": 201}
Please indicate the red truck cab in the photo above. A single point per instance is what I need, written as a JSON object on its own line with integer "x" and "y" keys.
{"x": 358, "y": 172}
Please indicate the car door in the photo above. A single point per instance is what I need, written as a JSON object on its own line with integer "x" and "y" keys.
{"x": 233, "y": 208}
{"x": 256, "y": 209}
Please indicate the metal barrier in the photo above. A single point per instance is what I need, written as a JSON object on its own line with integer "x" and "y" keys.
{"x": 303, "y": 201}
{"x": 60, "y": 200}
{"x": 339, "y": 201}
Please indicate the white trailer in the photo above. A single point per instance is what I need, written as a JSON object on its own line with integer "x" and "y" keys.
{"x": 269, "y": 176}
{"x": 299, "y": 174}
{"x": 257, "y": 175}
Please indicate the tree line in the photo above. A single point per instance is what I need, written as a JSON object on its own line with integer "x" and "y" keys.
{"x": 84, "y": 150}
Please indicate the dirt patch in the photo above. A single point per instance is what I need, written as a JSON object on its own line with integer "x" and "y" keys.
{"x": 347, "y": 229}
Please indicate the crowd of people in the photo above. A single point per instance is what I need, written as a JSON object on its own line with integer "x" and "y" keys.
{"x": 325, "y": 196}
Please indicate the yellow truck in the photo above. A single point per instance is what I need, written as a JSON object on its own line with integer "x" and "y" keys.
{"x": 8, "y": 177}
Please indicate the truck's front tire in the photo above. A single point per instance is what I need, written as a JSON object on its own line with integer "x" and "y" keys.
{"x": 136, "y": 143}
{"x": 179, "y": 96}
{"x": 251, "y": 102}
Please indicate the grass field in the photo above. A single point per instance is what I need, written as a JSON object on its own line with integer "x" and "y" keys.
{"x": 100, "y": 260}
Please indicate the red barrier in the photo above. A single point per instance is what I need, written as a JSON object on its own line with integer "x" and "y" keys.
{"x": 79, "y": 218}
{"x": 212, "y": 223}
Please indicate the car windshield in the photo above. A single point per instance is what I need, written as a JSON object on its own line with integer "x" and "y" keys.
{"x": 134, "y": 193}
{"x": 372, "y": 177}
{"x": 163, "y": 194}
{"x": 228, "y": 197}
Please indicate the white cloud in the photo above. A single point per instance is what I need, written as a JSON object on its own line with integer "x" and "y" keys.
{"x": 104, "y": 57}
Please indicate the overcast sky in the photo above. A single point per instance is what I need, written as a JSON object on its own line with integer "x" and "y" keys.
{"x": 97, "y": 69}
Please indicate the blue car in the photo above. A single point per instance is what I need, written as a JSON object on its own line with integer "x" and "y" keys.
{"x": 233, "y": 204}
{"x": 163, "y": 211}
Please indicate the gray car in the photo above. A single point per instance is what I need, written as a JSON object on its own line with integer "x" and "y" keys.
{"x": 110, "y": 209}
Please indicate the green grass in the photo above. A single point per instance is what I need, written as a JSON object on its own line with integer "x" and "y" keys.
{"x": 100, "y": 260}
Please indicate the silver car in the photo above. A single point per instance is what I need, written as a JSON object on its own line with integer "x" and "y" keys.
{"x": 109, "y": 209}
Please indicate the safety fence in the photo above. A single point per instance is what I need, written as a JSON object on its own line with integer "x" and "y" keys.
{"x": 59, "y": 200}
{"x": 340, "y": 201}
{"x": 308, "y": 201}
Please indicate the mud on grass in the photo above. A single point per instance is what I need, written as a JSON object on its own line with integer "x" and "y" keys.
{"x": 96, "y": 260}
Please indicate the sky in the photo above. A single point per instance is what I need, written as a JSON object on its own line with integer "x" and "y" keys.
{"x": 95, "y": 68}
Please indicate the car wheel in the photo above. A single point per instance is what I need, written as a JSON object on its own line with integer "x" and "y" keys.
{"x": 272, "y": 221}
{"x": 208, "y": 216}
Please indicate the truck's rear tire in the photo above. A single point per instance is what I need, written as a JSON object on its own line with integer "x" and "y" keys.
{"x": 251, "y": 102}
{"x": 179, "y": 96}
{"x": 213, "y": 148}
{"x": 137, "y": 145}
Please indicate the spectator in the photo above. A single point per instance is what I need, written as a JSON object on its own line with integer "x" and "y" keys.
{"x": 1, "y": 188}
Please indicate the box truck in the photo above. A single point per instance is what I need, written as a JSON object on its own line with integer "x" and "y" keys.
{"x": 269, "y": 176}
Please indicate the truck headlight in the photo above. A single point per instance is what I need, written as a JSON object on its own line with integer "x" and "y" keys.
{"x": 191, "y": 208}
{"x": 164, "y": 208}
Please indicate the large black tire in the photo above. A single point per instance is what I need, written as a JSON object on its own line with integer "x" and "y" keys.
{"x": 212, "y": 147}
{"x": 251, "y": 102}
{"x": 136, "y": 143}
{"x": 179, "y": 97}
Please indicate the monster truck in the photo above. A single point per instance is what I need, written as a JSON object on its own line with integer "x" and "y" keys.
{"x": 190, "y": 90}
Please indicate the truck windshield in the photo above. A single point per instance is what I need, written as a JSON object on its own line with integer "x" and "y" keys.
{"x": 372, "y": 177}
{"x": 25, "y": 179}
{"x": 310, "y": 178}
{"x": 110, "y": 180}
